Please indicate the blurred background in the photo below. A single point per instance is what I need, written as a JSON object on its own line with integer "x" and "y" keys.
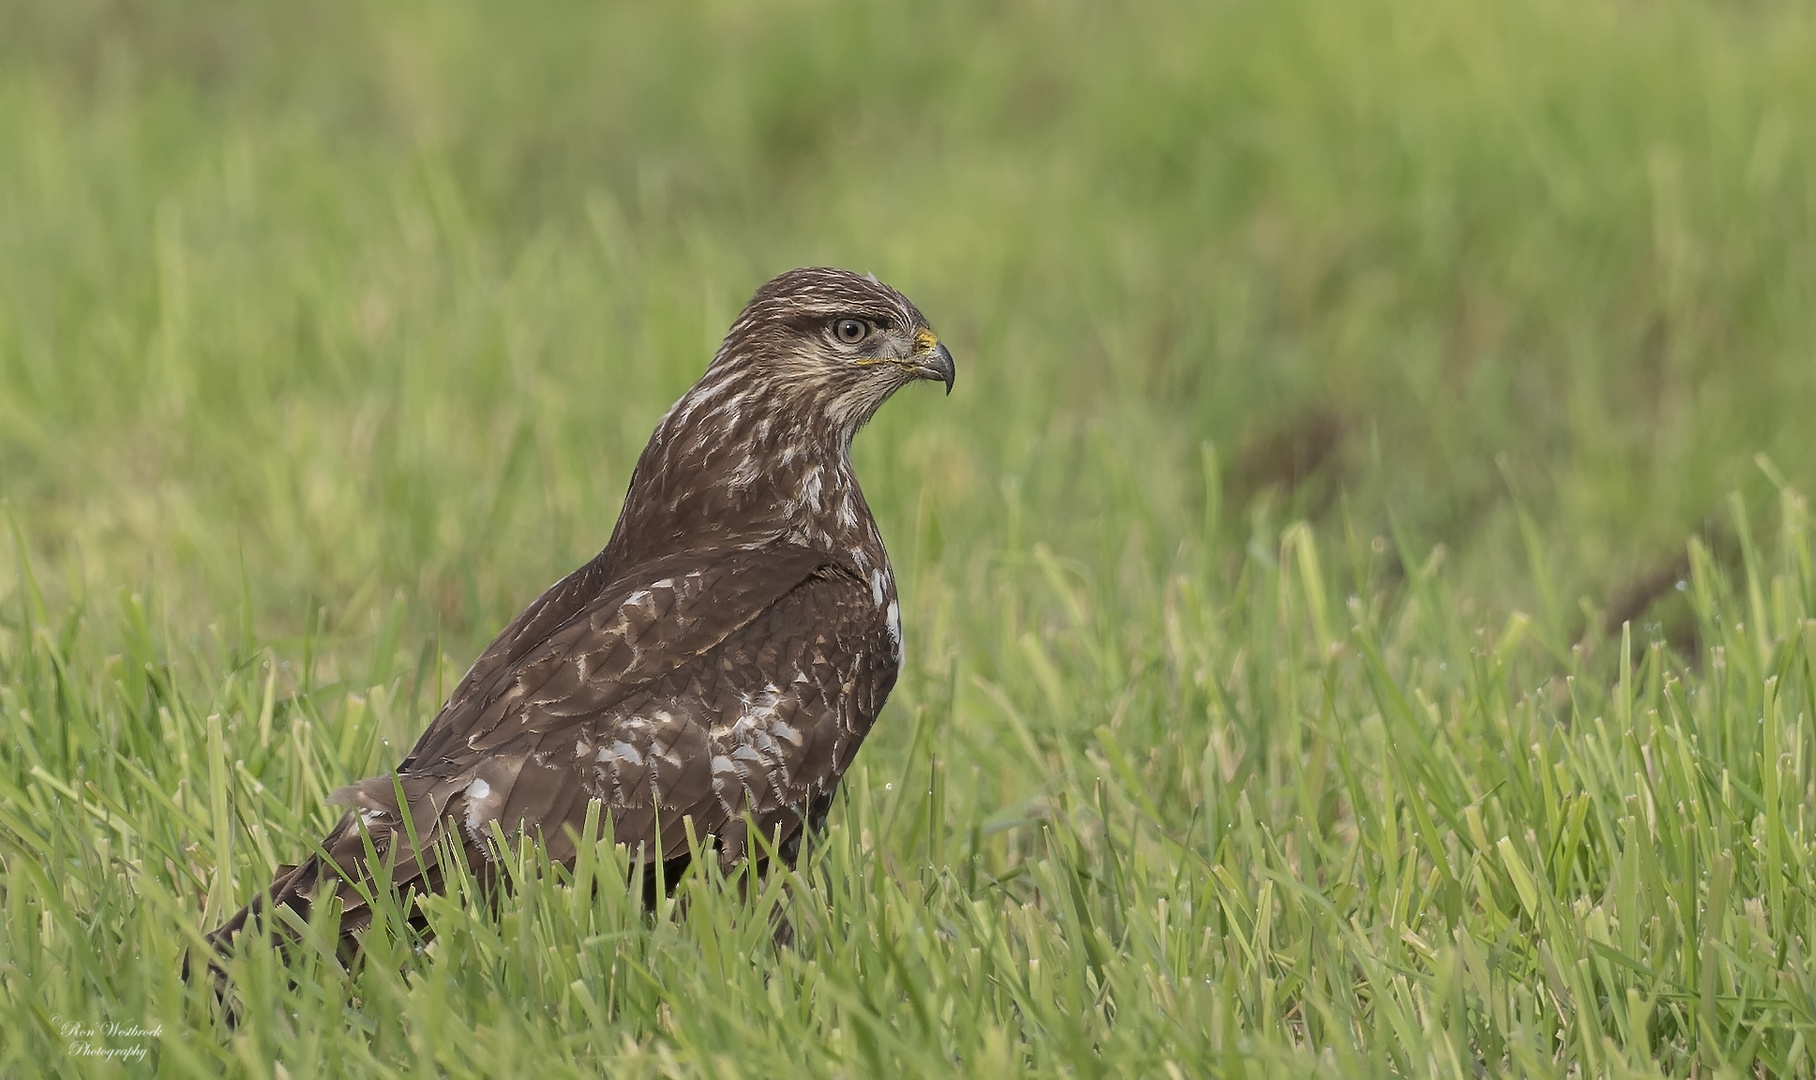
{"x": 337, "y": 317}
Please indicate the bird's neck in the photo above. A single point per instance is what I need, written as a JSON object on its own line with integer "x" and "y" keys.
{"x": 723, "y": 471}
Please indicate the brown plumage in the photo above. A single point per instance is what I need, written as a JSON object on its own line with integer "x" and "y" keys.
{"x": 718, "y": 663}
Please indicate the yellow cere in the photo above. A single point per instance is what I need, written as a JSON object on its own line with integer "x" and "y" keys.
{"x": 925, "y": 340}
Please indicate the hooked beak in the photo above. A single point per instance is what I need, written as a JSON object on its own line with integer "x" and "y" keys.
{"x": 935, "y": 363}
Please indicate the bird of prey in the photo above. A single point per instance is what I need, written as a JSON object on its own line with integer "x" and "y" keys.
{"x": 720, "y": 661}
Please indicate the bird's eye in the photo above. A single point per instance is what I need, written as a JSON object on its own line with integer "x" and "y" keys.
{"x": 851, "y": 331}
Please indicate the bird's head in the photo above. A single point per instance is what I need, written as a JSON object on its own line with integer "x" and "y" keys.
{"x": 837, "y": 342}
{"x": 760, "y": 446}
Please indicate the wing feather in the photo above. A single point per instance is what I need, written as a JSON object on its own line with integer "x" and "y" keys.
{"x": 701, "y": 600}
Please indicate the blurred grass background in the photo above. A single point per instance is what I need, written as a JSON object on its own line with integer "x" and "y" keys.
{"x": 329, "y": 334}
{"x": 390, "y": 297}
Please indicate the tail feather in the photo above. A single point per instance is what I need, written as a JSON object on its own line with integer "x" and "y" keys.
{"x": 287, "y": 890}
{"x": 293, "y": 888}
{"x": 340, "y": 869}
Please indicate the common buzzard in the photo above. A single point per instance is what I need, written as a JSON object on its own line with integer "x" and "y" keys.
{"x": 719, "y": 662}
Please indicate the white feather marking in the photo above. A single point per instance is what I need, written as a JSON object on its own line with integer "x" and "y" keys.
{"x": 725, "y": 774}
{"x": 894, "y": 617}
{"x": 877, "y": 586}
{"x": 479, "y": 808}
{"x": 759, "y": 710}
{"x": 743, "y": 473}
{"x": 848, "y": 515}
{"x": 681, "y": 411}
{"x": 620, "y": 751}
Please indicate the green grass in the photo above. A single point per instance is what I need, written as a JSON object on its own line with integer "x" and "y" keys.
{"x": 1335, "y": 381}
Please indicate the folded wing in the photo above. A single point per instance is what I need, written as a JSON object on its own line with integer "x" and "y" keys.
{"x": 730, "y": 689}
